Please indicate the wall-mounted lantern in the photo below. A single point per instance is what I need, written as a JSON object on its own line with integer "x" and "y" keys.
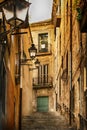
{"x": 37, "y": 63}
{"x": 32, "y": 51}
{"x": 15, "y": 11}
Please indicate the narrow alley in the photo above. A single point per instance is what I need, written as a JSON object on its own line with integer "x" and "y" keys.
{"x": 43, "y": 64}
{"x": 45, "y": 121}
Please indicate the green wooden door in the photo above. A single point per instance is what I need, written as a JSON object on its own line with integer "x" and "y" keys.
{"x": 42, "y": 104}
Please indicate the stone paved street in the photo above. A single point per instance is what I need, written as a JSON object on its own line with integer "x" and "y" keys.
{"x": 45, "y": 121}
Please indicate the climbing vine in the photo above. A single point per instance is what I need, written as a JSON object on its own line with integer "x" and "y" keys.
{"x": 79, "y": 13}
{"x": 78, "y": 9}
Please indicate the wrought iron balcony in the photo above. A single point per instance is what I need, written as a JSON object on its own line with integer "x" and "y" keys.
{"x": 42, "y": 82}
{"x": 83, "y": 122}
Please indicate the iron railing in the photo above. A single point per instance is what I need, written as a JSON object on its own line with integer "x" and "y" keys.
{"x": 69, "y": 112}
{"x": 42, "y": 82}
{"x": 83, "y": 122}
{"x": 66, "y": 112}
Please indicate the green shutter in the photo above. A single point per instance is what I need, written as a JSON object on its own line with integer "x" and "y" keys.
{"x": 42, "y": 104}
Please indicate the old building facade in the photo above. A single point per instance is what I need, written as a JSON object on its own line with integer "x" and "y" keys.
{"x": 70, "y": 80}
{"x": 43, "y": 92}
{"x": 12, "y": 46}
{"x": 60, "y": 81}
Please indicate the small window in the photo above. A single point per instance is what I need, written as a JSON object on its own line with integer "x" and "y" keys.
{"x": 60, "y": 44}
{"x": 17, "y": 64}
{"x": 59, "y": 8}
{"x": 67, "y": 13}
{"x": 73, "y": 98}
{"x": 67, "y": 62}
{"x": 62, "y": 62}
{"x": 17, "y": 69}
{"x": 60, "y": 86}
{"x": 43, "y": 42}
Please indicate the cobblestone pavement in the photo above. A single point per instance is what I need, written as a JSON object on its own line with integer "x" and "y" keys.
{"x": 45, "y": 121}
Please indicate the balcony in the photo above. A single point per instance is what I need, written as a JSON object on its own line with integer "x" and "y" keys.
{"x": 44, "y": 49}
{"x": 42, "y": 82}
{"x": 83, "y": 122}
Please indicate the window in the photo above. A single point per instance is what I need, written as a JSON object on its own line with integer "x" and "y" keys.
{"x": 17, "y": 64}
{"x": 43, "y": 42}
{"x": 73, "y": 98}
{"x": 67, "y": 62}
{"x": 79, "y": 92}
{"x": 60, "y": 87}
{"x": 60, "y": 44}
{"x": 43, "y": 74}
{"x": 85, "y": 78}
{"x": 59, "y": 8}
{"x": 67, "y": 11}
{"x": 62, "y": 62}
{"x": 17, "y": 69}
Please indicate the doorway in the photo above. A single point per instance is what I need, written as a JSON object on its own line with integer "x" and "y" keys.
{"x": 43, "y": 104}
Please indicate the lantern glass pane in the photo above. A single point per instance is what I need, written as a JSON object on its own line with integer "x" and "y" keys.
{"x": 37, "y": 64}
{"x": 32, "y": 54}
{"x": 8, "y": 14}
{"x": 16, "y": 11}
{"x": 14, "y": 22}
{"x": 21, "y": 14}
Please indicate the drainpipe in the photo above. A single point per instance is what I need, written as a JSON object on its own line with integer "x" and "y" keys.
{"x": 20, "y": 98}
{"x": 2, "y": 53}
{"x": 80, "y": 74}
{"x": 86, "y": 72}
{"x": 70, "y": 116}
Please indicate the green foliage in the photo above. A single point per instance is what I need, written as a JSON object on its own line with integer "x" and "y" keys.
{"x": 76, "y": 3}
{"x": 79, "y": 13}
{"x": 78, "y": 9}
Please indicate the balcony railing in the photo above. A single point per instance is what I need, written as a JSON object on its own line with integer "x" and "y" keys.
{"x": 42, "y": 82}
{"x": 44, "y": 49}
{"x": 63, "y": 109}
{"x": 83, "y": 122}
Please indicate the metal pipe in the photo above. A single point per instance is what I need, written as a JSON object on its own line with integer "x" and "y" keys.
{"x": 70, "y": 120}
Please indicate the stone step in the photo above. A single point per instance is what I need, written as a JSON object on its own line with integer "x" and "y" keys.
{"x": 44, "y": 121}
